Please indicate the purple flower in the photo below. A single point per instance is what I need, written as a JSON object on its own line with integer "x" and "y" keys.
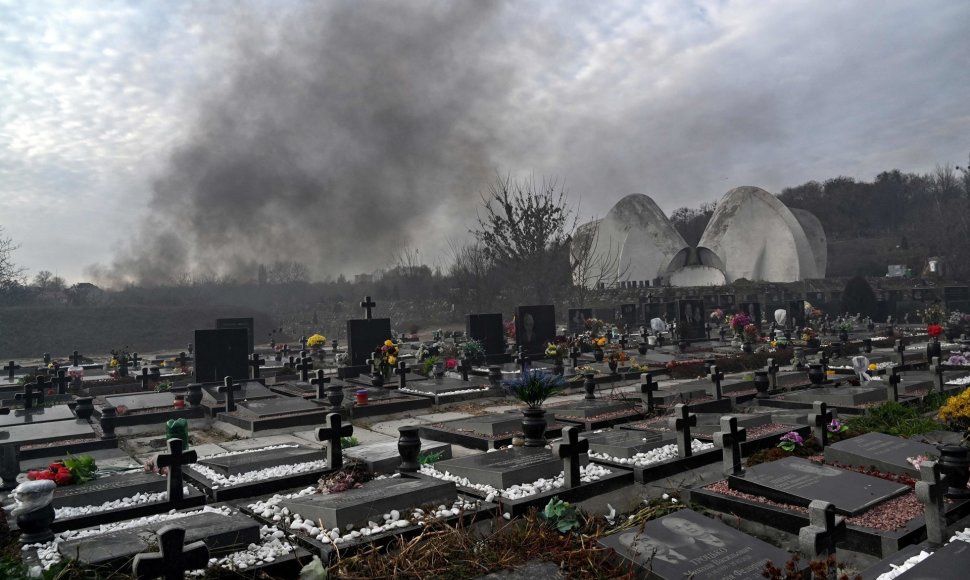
{"x": 793, "y": 436}
{"x": 957, "y": 359}
{"x": 835, "y": 426}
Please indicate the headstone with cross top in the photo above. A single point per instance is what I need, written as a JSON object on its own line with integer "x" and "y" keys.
{"x": 402, "y": 372}
{"x": 321, "y": 383}
{"x": 303, "y": 341}
{"x": 729, "y": 439}
{"x": 772, "y": 369}
{"x": 367, "y": 304}
{"x": 647, "y": 388}
{"x": 305, "y": 366}
{"x": 183, "y": 360}
{"x": 173, "y": 559}
{"x": 569, "y": 450}
{"x": 255, "y": 361}
{"x": 823, "y": 531}
{"x": 173, "y": 461}
{"x": 937, "y": 368}
{"x": 33, "y": 391}
{"x": 145, "y": 378}
{"x": 332, "y": 434}
{"x": 229, "y": 388}
{"x": 135, "y": 360}
{"x": 463, "y": 367}
{"x": 523, "y": 362}
{"x": 10, "y": 368}
{"x": 930, "y": 491}
{"x": 60, "y": 380}
{"x": 123, "y": 365}
{"x": 574, "y": 353}
{"x": 76, "y": 359}
{"x": 683, "y": 421}
{"x": 820, "y": 418}
{"x": 901, "y": 350}
{"x": 716, "y": 377}
{"x": 893, "y": 380}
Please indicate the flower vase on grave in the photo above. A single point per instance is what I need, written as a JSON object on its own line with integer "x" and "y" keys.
{"x": 377, "y": 380}
{"x": 955, "y": 461}
{"x": 844, "y": 335}
{"x": 642, "y": 347}
{"x": 613, "y": 366}
{"x": 558, "y": 368}
{"x": 362, "y": 396}
{"x": 651, "y": 340}
{"x": 439, "y": 370}
{"x": 194, "y": 397}
{"x": 179, "y": 401}
{"x": 816, "y": 374}
{"x": 746, "y": 346}
{"x": 933, "y": 349}
{"x": 84, "y": 408}
{"x": 761, "y": 382}
{"x": 409, "y": 446}
{"x": 598, "y": 354}
{"x": 335, "y": 395}
{"x": 35, "y": 526}
{"x": 682, "y": 345}
{"x": 534, "y": 426}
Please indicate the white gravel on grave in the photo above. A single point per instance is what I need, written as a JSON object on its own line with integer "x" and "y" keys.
{"x": 943, "y": 345}
{"x": 879, "y": 366}
{"x": 899, "y": 569}
{"x": 125, "y": 502}
{"x": 392, "y": 520}
{"x": 259, "y": 474}
{"x": 272, "y": 541}
{"x": 449, "y": 393}
{"x": 587, "y": 474}
{"x": 660, "y": 454}
{"x": 961, "y": 381}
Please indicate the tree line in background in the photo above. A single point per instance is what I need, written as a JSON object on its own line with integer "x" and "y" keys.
{"x": 523, "y": 251}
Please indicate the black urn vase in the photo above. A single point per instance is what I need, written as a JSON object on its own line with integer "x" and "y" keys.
{"x": 955, "y": 461}
{"x": 816, "y": 374}
{"x": 409, "y": 447}
{"x": 761, "y": 382}
{"x": 534, "y": 427}
{"x": 84, "y": 408}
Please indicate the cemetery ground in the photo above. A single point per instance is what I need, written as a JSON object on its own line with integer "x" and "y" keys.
{"x": 699, "y": 461}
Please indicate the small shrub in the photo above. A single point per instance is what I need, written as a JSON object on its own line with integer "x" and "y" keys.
{"x": 346, "y": 442}
{"x": 893, "y": 418}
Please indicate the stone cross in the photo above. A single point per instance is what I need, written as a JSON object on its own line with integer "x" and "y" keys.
{"x": 10, "y": 368}
{"x": 893, "y": 381}
{"x": 523, "y": 361}
{"x": 303, "y": 340}
{"x": 622, "y": 341}
{"x": 772, "y": 369}
{"x": 574, "y": 353}
{"x": 321, "y": 383}
{"x": 173, "y": 559}
{"x": 145, "y": 378}
{"x": 33, "y": 391}
{"x": 183, "y": 360}
{"x": 402, "y": 372}
{"x": 76, "y": 358}
{"x": 123, "y": 366}
{"x": 174, "y": 460}
{"x": 230, "y": 388}
{"x": 332, "y": 434}
{"x": 463, "y": 367}
{"x": 254, "y": 362}
{"x": 823, "y": 531}
{"x": 729, "y": 439}
{"x": 569, "y": 449}
{"x": 60, "y": 380}
{"x": 647, "y": 388}
{"x": 930, "y": 491}
{"x": 135, "y": 360}
{"x": 819, "y": 419}
{"x": 937, "y": 369}
{"x": 368, "y": 305}
{"x": 823, "y": 359}
{"x": 305, "y": 366}
{"x": 47, "y": 358}
{"x": 716, "y": 377}
{"x": 683, "y": 421}
{"x": 901, "y": 349}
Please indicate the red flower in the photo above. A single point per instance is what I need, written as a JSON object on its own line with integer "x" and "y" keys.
{"x": 56, "y": 466}
{"x": 63, "y": 478}
{"x": 39, "y": 474}
{"x": 934, "y": 330}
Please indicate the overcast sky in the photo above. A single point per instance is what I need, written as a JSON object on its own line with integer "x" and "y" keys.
{"x": 152, "y": 137}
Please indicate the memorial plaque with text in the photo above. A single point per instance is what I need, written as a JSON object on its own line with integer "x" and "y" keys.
{"x": 256, "y": 460}
{"x": 884, "y": 452}
{"x": 505, "y": 468}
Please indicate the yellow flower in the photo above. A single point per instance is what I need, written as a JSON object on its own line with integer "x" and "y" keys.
{"x": 388, "y": 343}
{"x": 162, "y": 364}
{"x": 830, "y": 372}
{"x": 113, "y": 363}
{"x": 316, "y": 340}
{"x": 50, "y": 366}
{"x": 392, "y": 360}
{"x": 872, "y": 366}
{"x": 601, "y": 341}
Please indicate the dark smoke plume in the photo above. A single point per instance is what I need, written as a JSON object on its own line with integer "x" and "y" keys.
{"x": 339, "y": 135}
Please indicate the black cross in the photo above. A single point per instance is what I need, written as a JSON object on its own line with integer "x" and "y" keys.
{"x": 230, "y": 388}
{"x": 332, "y": 434}
{"x": 569, "y": 449}
{"x": 683, "y": 421}
{"x": 716, "y": 377}
{"x": 134, "y": 359}
{"x": 823, "y": 532}
{"x": 303, "y": 340}
{"x": 33, "y": 391}
{"x": 894, "y": 380}
{"x": 173, "y": 557}
{"x": 937, "y": 369}
{"x": 523, "y": 361}
{"x": 183, "y": 360}
{"x": 76, "y": 358}
{"x": 772, "y": 369}
{"x": 123, "y": 366}
{"x": 402, "y": 371}
{"x": 901, "y": 349}
{"x": 820, "y": 419}
{"x": 60, "y": 380}
{"x": 463, "y": 367}
{"x": 367, "y": 305}
{"x": 292, "y": 363}
{"x": 622, "y": 341}
{"x": 823, "y": 359}
{"x": 10, "y": 368}
{"x": 47, "y": 358}
{"x": 320, "y": 382}
{"x": 174, "y": 460}
{"x": 930, "y": 491}
{"x": 254, "y": 362}
{"x": 647, "y": 387}
{"x": 188, "y": 347}
{"x": 305, "y": 366}
{"x": 574, "y": 356}
{"x": 729, "y": 439}
{"x": 145, "y": 378}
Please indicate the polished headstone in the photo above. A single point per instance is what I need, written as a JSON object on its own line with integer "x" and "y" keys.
{"x": 488, "y": 329}
{"x": 46, "y": 432}
{"x": 627, "y": 443}
{"x": 111, "y": 488}
{"x": 220, "y": 354}
{"x": 245, "y": 462}
{"x": 950, "y": 562}
{"x": 496, "y": 424}
{"x": 136, "y": 402}
{"x": 504, "y": 468}
{"x": 36, "y": 415}
{"x": 837, "y": 396}
{"x": 884, "y": 452}
{"x": 385, "y": 458}
{"x": 278, "y": 407}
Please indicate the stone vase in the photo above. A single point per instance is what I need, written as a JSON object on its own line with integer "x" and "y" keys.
{"x": 642, "y": 348}
{"x": 84, "y": 408}
{"x": 335, "y": 395}
{"x": 35, "y": 526}
{"x": 933, "y": 349}
{"x": 598, "y": 354}
{"x": 761, "y": 382}
{"x": 409, "y": 447}
{"x": 746, "y": 346}
{"x": 955, "y": 461}
{"x": 816, "y": 374}
{"x": 377, "y": 380}
{"x": 867, "y": 345}
{"x": 534, "y": 426}
{"x": 613, "y": 366}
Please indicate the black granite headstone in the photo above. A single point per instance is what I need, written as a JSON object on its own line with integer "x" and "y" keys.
{"x": 244, "y": 323}
{"x": 245, "y": 462}
{"x": 364, "y": 336}
{"x": 690, "y": 319}
{"x": 489, "y": 330}
{"x": 220, "y": 354}
{"x": 884, "y": 452}
{"x": 578, "y": 318}
{"x": 950, "y": 562}
{"x": 504, "y": 468}
{"x": 752, "y": 309}
{"x": 535, "y": 328}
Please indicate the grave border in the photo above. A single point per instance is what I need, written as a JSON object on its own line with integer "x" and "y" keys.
{"x": 475, "y": 440}
{"x": 262, "y": 487}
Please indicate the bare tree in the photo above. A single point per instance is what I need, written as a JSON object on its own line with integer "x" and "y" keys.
{"x": 46, "y": 280}
{"x": 471, "y": 273}
{"x": 594, "y": 262}
{"x": 10, "y": 274}
{"x": 287, "y": 272}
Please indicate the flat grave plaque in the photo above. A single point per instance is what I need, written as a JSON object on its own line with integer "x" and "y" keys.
{"x": 799, "y": 481}
{"x": 586, "y": 409}
{"x": 884, "y": 452}
{"x": 626, "y": 443}
{"x": 950, "y": 562}
{"x": 46, "y": 432}
{"x": 446, "y": 385}
{"x": 36, "y": 415}
{"x": 220, "y": 533}
{"x": 504, "y": 468}
{"x": 278, "y": 407}
{"x": 385, "y": 457}
{"x": 686, "y": 544}
{"x": 496, "y": 424}
{"x": 249, "y": 391}
{"x": 371, "y": 502}
{"x": 101, "y": 490}
{"x": 837, "y": 397}
{"x": 136, "y": 402}
{"x": 245, "y": 462}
